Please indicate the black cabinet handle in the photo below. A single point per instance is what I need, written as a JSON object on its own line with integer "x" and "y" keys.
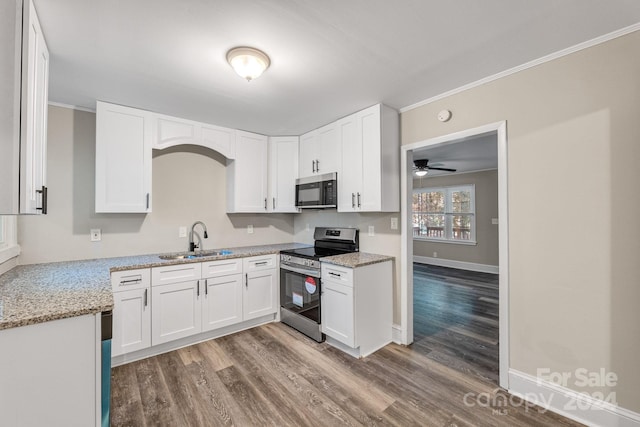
{"x": 44, "y": 192}
{"x": 146, "y": 300}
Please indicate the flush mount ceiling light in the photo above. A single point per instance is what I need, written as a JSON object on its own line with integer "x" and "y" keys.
{"x": 248, "y": 62}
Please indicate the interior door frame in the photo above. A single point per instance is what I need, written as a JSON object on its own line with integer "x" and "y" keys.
{"x": 406, "y": 250}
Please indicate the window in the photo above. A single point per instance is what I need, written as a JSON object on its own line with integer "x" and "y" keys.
{"x": 445, "y": 213}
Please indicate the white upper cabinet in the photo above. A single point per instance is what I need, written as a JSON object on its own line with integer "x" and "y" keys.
{"x": 23, "y": 109}
{"x": 171, "y": 131}
{"x": 370, "y": 147}
{"x": 247, "y": 174}
{"x": 123, "y": 159}
{"x": 283, "y": 171}
{"x": 320, "y": 151}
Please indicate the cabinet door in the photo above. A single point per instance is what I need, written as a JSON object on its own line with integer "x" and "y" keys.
{"x": 307, "y": 155}
{"x": 123, "y": 159}
{"x": 177, "y": 311}
{"x": 369, "y": 126}
{"x": 350, "y": 181}
{"x": 35, "y": 78}
{"x": 283, "y": 171}
{"x": 328, "y": 150}
{"x": 169, "y": 131}
{"x": 222, "y": 303}
{"x": 260, "y": 294}
{"x": 337, "y": 312}
{"x": 247, "y": 174}
{"x": 131, "y": 321}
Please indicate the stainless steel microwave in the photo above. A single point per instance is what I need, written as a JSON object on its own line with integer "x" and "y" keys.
{"x": 317, "y": 191}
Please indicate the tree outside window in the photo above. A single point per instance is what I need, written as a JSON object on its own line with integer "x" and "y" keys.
{"x": 444, "y": 213}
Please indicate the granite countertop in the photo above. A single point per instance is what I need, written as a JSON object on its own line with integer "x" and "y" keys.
{"x": 39, "y": 293}
{"x": 356, "y": 259}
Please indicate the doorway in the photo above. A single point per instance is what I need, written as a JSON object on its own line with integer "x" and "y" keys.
{"x": 407, "y": 255}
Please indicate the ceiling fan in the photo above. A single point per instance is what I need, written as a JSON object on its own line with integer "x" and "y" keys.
{"x": 421, "y": 167}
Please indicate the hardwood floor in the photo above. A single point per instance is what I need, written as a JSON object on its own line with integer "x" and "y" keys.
{"x": 272, "y": 375}
{"x": 456, "y": 319}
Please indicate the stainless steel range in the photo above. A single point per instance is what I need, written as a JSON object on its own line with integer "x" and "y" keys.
{"x": 300, "y": 284}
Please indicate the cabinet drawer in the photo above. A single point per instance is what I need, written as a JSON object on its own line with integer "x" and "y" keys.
{"x": 222, "y": 267}
{"x": 175, "y": 273}
{"x": 256, "y": 263}
{"x": 337, "y": 274}
{"x": 130, "y": 279}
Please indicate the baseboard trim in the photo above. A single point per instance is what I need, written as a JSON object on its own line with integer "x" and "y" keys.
{"x": 396, "y": 334}
{"x": 462, "y": 265}
{"x": 569, "y": 403}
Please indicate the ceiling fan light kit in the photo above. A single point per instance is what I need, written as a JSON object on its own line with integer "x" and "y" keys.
{"x": 421, "y": 167}
{"x": 248, "y": 62}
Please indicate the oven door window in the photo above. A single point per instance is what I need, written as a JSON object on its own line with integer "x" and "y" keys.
{"x": 300, "y": 294}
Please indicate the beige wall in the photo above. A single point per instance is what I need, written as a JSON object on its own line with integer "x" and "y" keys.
{"x": 486, "y": 250}
{"x": 188, "y": 185}
{"x": 574, "y": 235}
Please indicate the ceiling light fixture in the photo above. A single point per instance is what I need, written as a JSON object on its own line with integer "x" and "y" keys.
{"x": 421, "y": 172}
{"x": 248, "y": 62}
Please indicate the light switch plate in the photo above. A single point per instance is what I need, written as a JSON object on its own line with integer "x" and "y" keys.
{"x": 182, "y": 231}
{"x": 250, "y": 229}
{"x": 494, "y": 221}
{"x": 372, "y": 231}
{"x": 96, "y": 234}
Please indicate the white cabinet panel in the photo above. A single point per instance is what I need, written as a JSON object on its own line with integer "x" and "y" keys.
{"x": 320, "y": 151}
{"x": 23, "y": 109}
{"x": 177, "y": 311}
{"x": 221, "y": 267}
{"x": 261, "y": 293}
{"x": 219, "y": 139}
{"x": 131, "y": 321}
{"x": 50, "y": 376}
{"x": 337, "y": 312}
{"x": 176, "y": 273}
{"x": 130, "y": 279}
{"x": 222, "y": 303}
{"x": 247, "y": 174}
{"x": 283, "y": 171}
{"x": 169, "y": 131}
{"x": 123, "y": 159}
{"x": 370, "y": 146}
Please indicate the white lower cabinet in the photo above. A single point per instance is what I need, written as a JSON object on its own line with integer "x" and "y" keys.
{"x": 260, "y": 296}
{"x": 131, "y": 311}
{"x": 176, "y": 311}
{"x": 131, "y": 321}
{"x": 357, "y": 307}
{"x": 163, "y": 304}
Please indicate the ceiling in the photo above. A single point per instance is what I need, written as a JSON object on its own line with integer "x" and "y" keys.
{"x": 476, "y": 153}
{"x": 328, "y": 58}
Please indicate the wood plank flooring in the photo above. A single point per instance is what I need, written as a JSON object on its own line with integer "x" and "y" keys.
{"x": 274, "y": 376}
{"x": 456, "y": 319}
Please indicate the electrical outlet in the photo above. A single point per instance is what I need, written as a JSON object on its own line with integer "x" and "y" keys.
{"x": 96, "y": 234}
{"x": 308, "y": 228}
{"x": 435, "y": 254}
{"x": 494, "y": 221}
{"x": 394, "y": 223}
{"x": 182, "y": 231}
{"x": 250, "y": 229}
{"x": 372, "y": 231}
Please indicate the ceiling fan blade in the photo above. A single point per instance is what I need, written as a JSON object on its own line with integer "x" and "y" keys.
{"x": 442, "y": 169}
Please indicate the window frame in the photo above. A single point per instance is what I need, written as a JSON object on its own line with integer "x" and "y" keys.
{"x": 448, "y": 191}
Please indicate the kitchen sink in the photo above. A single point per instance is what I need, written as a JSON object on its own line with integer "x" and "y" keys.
{"x": 192, "y": 255}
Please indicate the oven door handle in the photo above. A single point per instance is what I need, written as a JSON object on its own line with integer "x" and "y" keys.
{"x": 304, "y": 271}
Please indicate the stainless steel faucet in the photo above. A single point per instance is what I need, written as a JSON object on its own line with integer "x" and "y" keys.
{"x": 192, "y": 244}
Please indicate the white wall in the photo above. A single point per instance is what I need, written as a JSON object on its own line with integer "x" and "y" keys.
{"x": 189, "y": 184}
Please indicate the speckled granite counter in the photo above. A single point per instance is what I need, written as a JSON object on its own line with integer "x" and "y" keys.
{"x": 356, "y": 259}
{"x": 38, "y": 293}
